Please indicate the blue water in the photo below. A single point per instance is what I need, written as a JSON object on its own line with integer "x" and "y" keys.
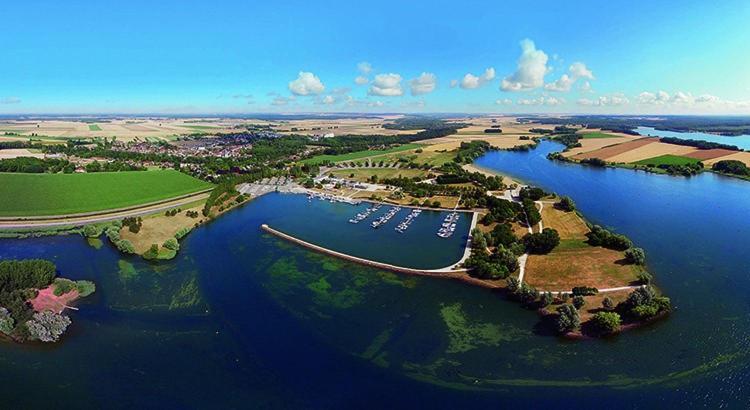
{"x": 241, "y": 319}
{"x": 740, "y": 141}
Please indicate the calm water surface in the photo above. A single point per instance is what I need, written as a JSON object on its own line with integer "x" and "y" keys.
{"x": 241, "y": 319}
{"x": 740, "y": 141}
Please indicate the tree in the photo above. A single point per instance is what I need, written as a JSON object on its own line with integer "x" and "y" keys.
{"x": 542, "y": 243}
{"x": 607, "y": 303}
{"x": 47, "y": 326}
{"x": 566, "y": 204}
{"x": 527, "y": 294}
{"x": 645, "y": 278}
{"x": 546, "y": 299}
{"x": 91, "y": 231}
{"x": 605, "y": 323}
{"x": 152, "y": 252}
{"x": 567, "y": 319}
{"x": 578, "y": 302}
{"x": 172, "y": 244}
{"x": 635, "y": 256}
{"x": 512, "y": 284}
{"x": 478, "y": 241}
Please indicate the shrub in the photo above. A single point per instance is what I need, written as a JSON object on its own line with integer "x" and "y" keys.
{"x": 645, "y": 278}
{"x": 567, "y": 319}
{"x": 62, "y": 286}
{"x": 125, "y": 246}
{"x": 578, "y": 302}
{"x": 172, "y": 244}
{"x": 512, "y": 284}
{"x": 91, "y": 231}
{"x": 605, "y": 323}
{"x": 6, "y": 321}
{"x": 542, "y": 243}
{"x": 546, "y": 299}
{"x": 182, "y": 232}
{"x": 566, "y": 204}
{"x": 152, "y": 252}
{"x": 47, "y": 326}
{"x": 604, "y": 238}
{"x": 607, "y": 303}
{"x": 85, "y": 287}
{"x": 584, "y": 291}
{"x": 635, "y": 256}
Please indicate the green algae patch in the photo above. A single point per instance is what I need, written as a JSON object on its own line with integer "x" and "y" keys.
{"x": 126, "y": 271}
{"x": 326, "y": 295}
{"x": 187, "y": 296}
{"x": 377, "y": 344}
{"x": 465, "y": 334}
{"x": 95, "y": 243}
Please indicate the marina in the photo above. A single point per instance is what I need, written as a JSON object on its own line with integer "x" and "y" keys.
{"x": 364, "y": 215}
{"x": 385, "y": 218}
{"x": 449, "y": 225}
{"x": 404, "y": 225}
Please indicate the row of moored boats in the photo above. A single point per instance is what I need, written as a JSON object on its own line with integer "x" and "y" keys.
{"x": 363, "y": 215}
{"x": 404, "y": 225}
{"x": 449, "y": 225}
{"x": 386, "y": 217}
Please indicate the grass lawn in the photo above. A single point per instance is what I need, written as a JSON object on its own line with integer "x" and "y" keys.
{"x": 364, "y": 174}
{"x": 94, "y": 127}
{"x": 575, "y": 263}
{"x": 59, "y": 194}
{"x": 568, "y": 224}
{"x": 593, "y": 135}
{"x": 358, "y": 154}
{"x": 667, "y": 160}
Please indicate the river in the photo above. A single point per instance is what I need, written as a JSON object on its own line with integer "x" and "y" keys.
{"x": 243, "y": 319}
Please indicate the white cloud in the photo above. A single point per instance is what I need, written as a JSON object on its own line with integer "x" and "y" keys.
{"x": 454, "y": 83}
{"x": 424, "y": 84}
{"x": 565, "y": 82}
{"x": 328, "y": 100}
{"x": 532, "y": 67}
{"x": 10, "y": 100}
{"x": 659, "y": 98}
{"x": 364, "y": 67}
{"x": 376, "y": 103}
{"x": 306, "y": 84}
{"x": 543, "y": 100}
{"x": 471, "y": 81}
{"x": 361, "y": 80}
{"x": 681, "y": 98}
{"x": 614, "y": 100}
{"x": 386, "y": 85}
{"x": 579, "y": 70}
{"x": 585, "y": 87}
{"x": 562, "y": 84}
{"x": 504, "y": 101}
{"x": 707, "y": 98}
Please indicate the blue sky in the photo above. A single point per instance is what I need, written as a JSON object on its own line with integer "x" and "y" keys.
{"x": 252, "y": 56}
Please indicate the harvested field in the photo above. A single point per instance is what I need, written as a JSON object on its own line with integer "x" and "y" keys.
{"x": 579, "y": 265}
{"x": 706, "y": 154}
{"x": 452, "y": 142}
{"x": 20, "y": 152}
{"x": 593, "y": 144}
{"x": 656, "y": 149}
{"x": 737, "y": 156}
{"x": 568, "y": 224}
{"x": 614, "y": 150}
{"x": 364, "y": 174}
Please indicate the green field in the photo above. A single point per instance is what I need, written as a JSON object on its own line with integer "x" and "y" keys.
{"x": 364, "y": 174}
{"x": 200, "y": 127}
{"x": 667, "y": 160}
{"x": 358, "y": 154}
{"x": 94, "y": 127}
{"x": 59, "y": 194}
{"x": 594, "y": 135}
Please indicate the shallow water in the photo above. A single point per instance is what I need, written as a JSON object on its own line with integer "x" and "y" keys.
{"x": 243, "y": 319}
{"x": 740, "y": 141}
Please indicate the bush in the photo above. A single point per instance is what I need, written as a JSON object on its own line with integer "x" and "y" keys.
{"x": 546, "y": 299}
{"x": 578, "y": 302}
{"x": 566, "y": 204}
{"x": 91, "y": 231}
{"x": 512, "y": 284}
{"x": 172, "y": 244}
{"x": 605, "y": 323}
{"x": 567, "y": 319}
{"x": 152, "y": 252}
{"x": 125, "y": 246}
{"x": 604, "y": 238}
{"x": 542, "y": 243}
{"x": 62, "y": 286}
{"x": 607, "y": 303}
{"x": 182, "y": 232}
{"x": 6, "y": 321}
{"x": 635, "y": 256}
{"x": 85, "y": 287}
{"x": 645, "y": 278}
{"x": 47, "y": 326}
{"x": 584, "y": 291}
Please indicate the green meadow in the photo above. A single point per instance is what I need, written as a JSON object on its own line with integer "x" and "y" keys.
{"x": 94, "y": 127}
{"x": 59, "y": 194}
{"x": 358, "y": 154}
{"x": 667, "y": 160}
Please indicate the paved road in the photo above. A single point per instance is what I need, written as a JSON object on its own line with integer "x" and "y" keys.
{"x": 103, "y": 217}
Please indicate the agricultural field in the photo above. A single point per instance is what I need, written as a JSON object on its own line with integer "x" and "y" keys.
{"x": 94, "y": 127}
{"x": 668, "y": 160}
{"x": 60, "y": 194}
{"x": 737, "y": 156}
{"x": 364, "y": 174}
{"x": 597, "y": 134}
{"x": 568, "y": 224}
{"x": 319, "y": 159}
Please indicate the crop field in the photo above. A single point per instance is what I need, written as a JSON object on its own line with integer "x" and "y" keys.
{"x": 60, "y": 194}
{"x": 668, "y": 160}
{"x": 94, "y": 127}
{"x": 318, "y": 159}
{"x": 364, "y": 174}
{"x": 574, "y": 263}
{"x": 596, "y": 134}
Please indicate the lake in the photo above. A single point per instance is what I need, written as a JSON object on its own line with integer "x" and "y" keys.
{"x": 740, "y": 141}
{"x": 243, "y": 319}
